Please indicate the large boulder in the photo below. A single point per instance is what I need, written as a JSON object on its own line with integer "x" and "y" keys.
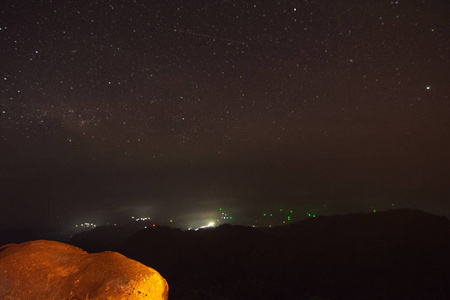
{"x": 52, "y": 270}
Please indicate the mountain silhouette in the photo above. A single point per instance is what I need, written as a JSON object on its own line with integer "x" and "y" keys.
{"x": 397, "y": 254}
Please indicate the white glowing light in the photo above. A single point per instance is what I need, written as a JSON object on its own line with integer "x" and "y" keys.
{"x": 210, "y": 224}
{"x": 141, "y": 219}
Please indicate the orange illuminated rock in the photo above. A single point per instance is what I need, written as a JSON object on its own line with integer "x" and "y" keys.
{"x": 52, "y": 270}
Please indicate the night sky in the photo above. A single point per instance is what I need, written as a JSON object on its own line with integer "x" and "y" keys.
{"x": 173, "y": 109}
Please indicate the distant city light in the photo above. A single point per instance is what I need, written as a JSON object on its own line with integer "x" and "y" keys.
{"x": 142, "y": 219}
{"x": 220, "y": 218}
{"x": 210, "y": 224}
{"x": 86, "y": 225}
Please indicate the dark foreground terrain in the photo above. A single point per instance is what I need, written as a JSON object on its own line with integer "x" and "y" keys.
{"x": 399, "y": 254}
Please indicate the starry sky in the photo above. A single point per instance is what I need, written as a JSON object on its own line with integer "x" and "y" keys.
{"x": 179, "y": 107}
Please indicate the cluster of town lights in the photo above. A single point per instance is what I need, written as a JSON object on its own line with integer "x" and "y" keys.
{"x": 142, "y": 219}
{"x": 86, "y": 225}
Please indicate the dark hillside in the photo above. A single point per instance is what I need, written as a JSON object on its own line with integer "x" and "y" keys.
{"x": 399, "y": 254}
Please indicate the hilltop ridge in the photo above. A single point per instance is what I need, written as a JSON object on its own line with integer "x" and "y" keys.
{"x": 398, "y": 254}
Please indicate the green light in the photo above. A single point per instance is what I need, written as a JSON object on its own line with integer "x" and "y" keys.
{"x": 281, "y": 209}
{"x": 289, "y": 218}
{"x": 291, "y": 211}
{"x": 225, "y": 215}
{"x": 270, "y": 214}
{"x": 220, "y": 208}
{"x": 264, "y": 215}
{"x": 374, "y": 210}
{"x": 309, "y": 215}
{"x": 231, "y": 218}
{"x": 314, "y": 216}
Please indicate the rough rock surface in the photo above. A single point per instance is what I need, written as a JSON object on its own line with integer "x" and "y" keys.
{"x": 52, "y": 270}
